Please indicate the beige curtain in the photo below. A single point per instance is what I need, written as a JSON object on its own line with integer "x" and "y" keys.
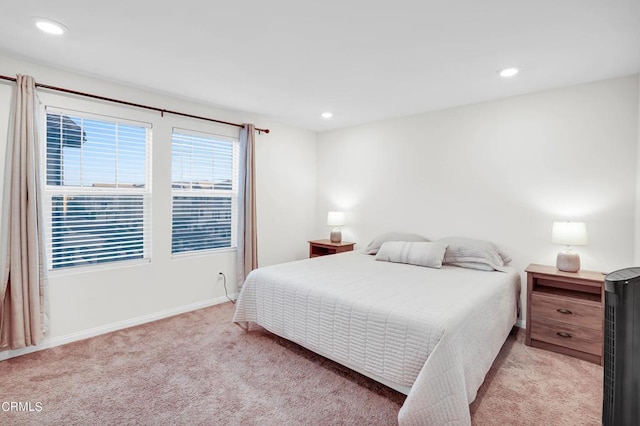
{"x": 247, "y": 254}
{"x": 23, "y": 273}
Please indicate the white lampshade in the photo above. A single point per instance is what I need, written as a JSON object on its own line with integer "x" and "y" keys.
{"x": 335, "y": 219}
{"x": 569, "y": 233}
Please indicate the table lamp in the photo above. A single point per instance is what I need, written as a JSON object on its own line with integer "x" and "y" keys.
{"x": 335, "y": 219}
{"x": 569, "y": 234}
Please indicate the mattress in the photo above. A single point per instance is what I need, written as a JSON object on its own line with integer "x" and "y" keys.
{"x": 430, "y": 333}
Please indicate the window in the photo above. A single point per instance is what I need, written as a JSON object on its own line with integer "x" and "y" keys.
{"x": 97, "y": 189}
{"x": 204, "y": 191}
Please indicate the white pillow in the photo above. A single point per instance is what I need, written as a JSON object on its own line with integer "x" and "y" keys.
{"x": 414, "y": 253}
{"x": 374, "y": 245}
{"x": 474, "y": 254}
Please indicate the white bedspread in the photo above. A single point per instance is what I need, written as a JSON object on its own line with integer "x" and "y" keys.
{"x": 432, "y": 333}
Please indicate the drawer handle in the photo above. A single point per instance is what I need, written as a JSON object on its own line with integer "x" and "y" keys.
{"x": 565, "y": 311}
{"x": 563, "y": 334}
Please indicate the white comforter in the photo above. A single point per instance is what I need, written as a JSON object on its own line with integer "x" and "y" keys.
{"x": 431, "y": 333}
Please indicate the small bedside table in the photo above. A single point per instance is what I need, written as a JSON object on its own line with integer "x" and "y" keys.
{"x": 325, "y": 247}
{"x": 565, "y": 311}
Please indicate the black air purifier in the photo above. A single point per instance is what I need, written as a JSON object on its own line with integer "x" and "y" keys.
{"x": 621, "y": 400}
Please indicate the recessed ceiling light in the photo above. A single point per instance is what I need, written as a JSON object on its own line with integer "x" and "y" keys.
{"x": 508, "y": 72}
{"x": 326, "y": 115}
{"x": 50, "y": 27}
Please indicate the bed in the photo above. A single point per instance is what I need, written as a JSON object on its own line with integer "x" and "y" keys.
{"x": 429, "y": 333}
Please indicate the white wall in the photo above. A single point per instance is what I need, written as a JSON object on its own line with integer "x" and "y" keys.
{"x": 89, "y": 302}
{"x": 501, "y": 171}
{"x": 286, "y": 192}
{"x": 636, "y": 257}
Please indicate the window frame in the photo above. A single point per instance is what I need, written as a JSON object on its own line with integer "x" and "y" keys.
{"x": 51, "y": 103}
{"x": 212, "y": 193}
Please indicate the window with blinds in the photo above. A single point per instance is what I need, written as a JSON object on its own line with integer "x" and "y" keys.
{"x": 204, "y": 191}
{"x": 97, "y": 190}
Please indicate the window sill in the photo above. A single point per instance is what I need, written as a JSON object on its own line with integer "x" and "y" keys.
{"x": 74, "y": 270}
{"x": 202, "y": 253}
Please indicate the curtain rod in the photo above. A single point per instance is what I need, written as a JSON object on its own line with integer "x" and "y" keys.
{"x": 162, "y": 111}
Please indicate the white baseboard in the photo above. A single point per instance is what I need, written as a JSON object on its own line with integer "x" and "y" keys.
{"x": 521, "y": 323}
{"x": 103, "y": 329}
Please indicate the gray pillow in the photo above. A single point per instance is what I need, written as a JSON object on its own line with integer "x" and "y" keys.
{"x": 374, "y": 245}
{"x": 414, "y": 253}
{"x": 474, "y": 254}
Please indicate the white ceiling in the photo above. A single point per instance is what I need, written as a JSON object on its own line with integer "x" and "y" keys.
{"x": 363, "y": 60}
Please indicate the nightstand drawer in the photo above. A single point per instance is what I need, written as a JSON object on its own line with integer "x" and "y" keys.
{"x": 567, "y": 335}
{"x": 565, "y": 310}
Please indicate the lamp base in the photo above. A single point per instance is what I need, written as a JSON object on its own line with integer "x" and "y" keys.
{"x": 568, "y": 261}
{"x": 336, "y": 236}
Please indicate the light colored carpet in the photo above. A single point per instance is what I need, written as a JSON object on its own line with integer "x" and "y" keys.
{"x": 529, "y": 387}
{"x": 199, "y": 369}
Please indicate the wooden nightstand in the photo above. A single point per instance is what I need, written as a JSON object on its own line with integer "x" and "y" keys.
{"x": 565, "y": 311}
{"x": 325, "y": 247}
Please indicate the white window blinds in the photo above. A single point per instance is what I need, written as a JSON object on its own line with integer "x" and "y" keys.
{"x": 97, "y": 189}
{"x": 204, "y": 191}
